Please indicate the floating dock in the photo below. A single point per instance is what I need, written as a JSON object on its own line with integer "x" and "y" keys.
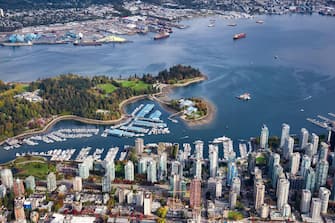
{"x": 146, "y": 110}
{"x": 149, "y": 124}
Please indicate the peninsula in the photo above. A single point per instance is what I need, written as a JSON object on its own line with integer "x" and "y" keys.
{"x": 30, "y": 108}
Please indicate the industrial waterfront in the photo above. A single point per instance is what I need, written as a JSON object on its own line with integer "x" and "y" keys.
{"x": 281, "y": 78}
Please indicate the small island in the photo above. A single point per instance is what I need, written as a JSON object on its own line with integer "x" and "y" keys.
{"x": 32, "y": 108}
{"x": 190, "y": 109}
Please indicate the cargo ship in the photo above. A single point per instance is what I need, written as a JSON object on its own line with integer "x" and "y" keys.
{"x": 17, "y": 44}
{"x": 239, "y": 36}
{"x": 162, "y": 35}
{"x": 244, "y": 97}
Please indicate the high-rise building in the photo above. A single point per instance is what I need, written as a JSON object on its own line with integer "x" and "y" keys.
{"x": 231, "y": 173}
{"x": 2, "y": 14}
{"x": 198, "y": 169}
{"x": 309, "y": 180}
{"x": 106, "y": 184}
{"x": 143, "y": 164}
{"x": 3, "y": 191}
{"x": 139, "y": 145}
{"x": 321, "y": 174}
{"x": 195, "y": 193}
{"x": 77, "y": 184}
{"x": 218, "y": 188}
{"x": 259, "y": 193}
{"x": 147, "y": 206}
{"x": 303, "y": 138}
{"x": 305, "y": 165}
{"x": 199, "y": 149}
{"x": 288, "y": 147}
{"x": 315, "y": 208}
{"x": 251, "y": 162}
{"x": 232, "y": 199}
{"x": 315, "y": 143}
{"x": 324, "y": 194}
{"x": 152, "y": 172}
{"x": 286, "y": 211}
{"x": 30, "y": 183}
{"x": 294, "y": 163}
{"x": 285, "y": 133}
{"x": 7, "y": 178}
{"x": 84, "y": 170}
{"x": 273, "y": 160}
{"x": 282, "y": 192}
{"x": 163, "y": 166}
{"x": 331, "y": 139}
{"x": 19, "y": 210}
{"x": 277, "y": 171}
{"x": 305, "y": 202}
{"x": 323, "y": 155}
{"x": 51, "y": 182}
{"x": 309, "y": 150}
{"x": 176, "y": 168}
{"x": 18, "y": 188}
{"x": 236, "y": 185}
{"x": 110, "y": 169}
{"x": 264, "y": 137}
{"x": 129, "y": 171}
{"x": 175, "y": 184}
{"x": 213, "y": 159}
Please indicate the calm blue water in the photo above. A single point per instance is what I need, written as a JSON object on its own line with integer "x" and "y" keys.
{"x": 305, "y": 67}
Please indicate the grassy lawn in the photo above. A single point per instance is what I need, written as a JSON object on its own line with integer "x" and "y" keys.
{"x": 137, "y": 85}
{"x": 235, "y": 216}
{"x": 108, "y": 88}
{"x": 36, "y": 167}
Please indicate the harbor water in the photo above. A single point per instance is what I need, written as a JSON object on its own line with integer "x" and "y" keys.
{"x": 286, "y": 64}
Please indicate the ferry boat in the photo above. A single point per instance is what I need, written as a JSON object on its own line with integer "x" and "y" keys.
{"x": 239, "y": 36}
{"x": 244, "y": 97}
{"x": 162, "y": 35}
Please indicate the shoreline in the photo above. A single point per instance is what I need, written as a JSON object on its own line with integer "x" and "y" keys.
{"x": 165, "y": 89}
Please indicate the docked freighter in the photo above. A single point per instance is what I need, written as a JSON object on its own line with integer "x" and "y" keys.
{"x": 162, "y": 35}
{"x": 239, "y": 36}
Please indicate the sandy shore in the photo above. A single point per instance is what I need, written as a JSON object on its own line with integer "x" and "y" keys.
{"x": 161, "y": 97}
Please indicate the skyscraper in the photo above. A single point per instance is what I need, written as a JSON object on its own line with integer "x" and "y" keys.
{"x": 309, "y": 179}
{"x": 77, "y": 184}
{"x": 213, "y": 160}
{"x": 30, "y": 183}
{"x": 273, "y": 160}
{"x": 288, "y": 147}
{"x": 129, "y": 171}
{"x": 294, "y": 163}
{"x": 285, "y": 133}
{"x": 19, "y": 210}
{"x": 323, "y": 155}
{"x": 51, "y": 182}
{"x": 198, "y": 168}
{"x": 264, "y": 137}
{"x": 7, "y": 178}
{"x": 232, "y": 199}
{"x": 315, "y": 143}
{"x": 303, "y": 138}
{"x": 321, "y": 174}
{"x": 315, "y": 208}
{"x": 259, "y": 193}
{"x": 199, "y": 148}
{"x": 195, "y": 193}
{"x": 332, "y": 196}
{"x": 305, "y": 165}
{"x": 305, "y": 202}
{"x": 110, "y": 169}
{"x": 139, "y": 145}
{"x": 147, "y": 203}
{"x": 277, "y": 171}
{"x": 282, "y": 192}
{"x": 218, "y": 188}
{"x": 236, "y": 185}
{"x": 232, "y": 172}
{"x": 84, "y": 170}
{"x": 309, "y": 150}
{"x": 163, "y": 166}
{"x": 324, "y": 194}
{"x": 152, "y": 172}
{"x": 18, "y": 188}
{"x": 106, "y": 184}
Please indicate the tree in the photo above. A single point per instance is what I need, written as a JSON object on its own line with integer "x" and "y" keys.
{"x": 162, "y": 212}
